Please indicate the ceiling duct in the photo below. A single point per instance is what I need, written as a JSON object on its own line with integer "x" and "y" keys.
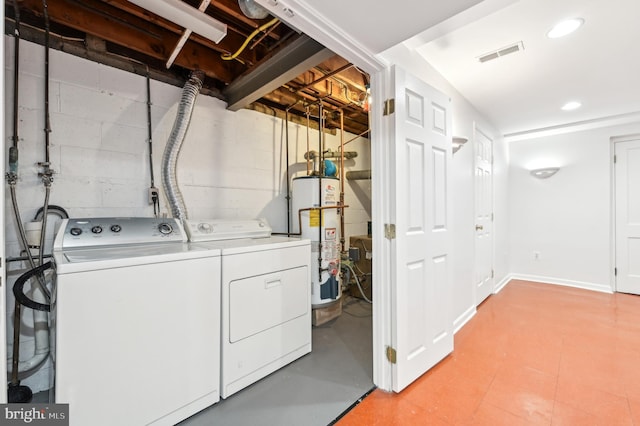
{"x": 253, "y": 10}
{"x": 516, "y": 47}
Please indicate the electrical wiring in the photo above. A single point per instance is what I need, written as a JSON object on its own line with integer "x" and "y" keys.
{"x": 229, "y": 57}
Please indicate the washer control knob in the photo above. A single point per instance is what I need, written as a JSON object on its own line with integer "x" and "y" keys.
{"x": 165, "y": 228}
{"x": 75, "y": 231}
{"x": 116, "y": 228}
{"x": 205, "y": 228}
{"x": 96, "y": 229}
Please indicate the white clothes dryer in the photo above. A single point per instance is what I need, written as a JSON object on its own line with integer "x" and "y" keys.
{"x": 136, "y": 320}
{"x": 266, "y": 299}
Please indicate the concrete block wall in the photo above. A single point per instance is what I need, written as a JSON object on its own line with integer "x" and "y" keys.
{"x": 232, "y": 165}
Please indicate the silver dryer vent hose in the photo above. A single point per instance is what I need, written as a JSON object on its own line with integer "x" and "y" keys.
{"x": 172, "y": 150}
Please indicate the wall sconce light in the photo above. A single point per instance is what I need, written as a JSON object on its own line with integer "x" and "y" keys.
{"x": 457, "y": 142}
{"x": 544, "y": 173}
{"x": 186, "y": 16}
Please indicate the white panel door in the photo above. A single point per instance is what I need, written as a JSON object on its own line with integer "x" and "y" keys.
{"x": 422, "y": 330}
{"x": 627, "y": 178}
{"x": 483, "y": 165}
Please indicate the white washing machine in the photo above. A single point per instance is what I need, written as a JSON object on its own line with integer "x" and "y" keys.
{"x": 266, "y": 298}
{"x": 136, "y": 320}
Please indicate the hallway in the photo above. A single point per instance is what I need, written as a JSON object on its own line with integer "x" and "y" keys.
{"x": 534, "y": 354}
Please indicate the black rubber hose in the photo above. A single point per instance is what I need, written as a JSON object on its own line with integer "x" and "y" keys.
{"x": 53, "y": 209}
{"x": 18, "y": 289}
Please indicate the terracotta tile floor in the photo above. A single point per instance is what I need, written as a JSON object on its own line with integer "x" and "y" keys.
{"x": 534, "y": 354}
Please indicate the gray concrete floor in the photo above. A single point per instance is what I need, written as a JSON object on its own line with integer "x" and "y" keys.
{"x": 313, "y": 390}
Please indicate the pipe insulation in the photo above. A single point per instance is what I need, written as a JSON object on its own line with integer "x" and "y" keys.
{"x": 359, "y": 175}
{"x": 312, "y": 155}
{"x": 172, "y": 150}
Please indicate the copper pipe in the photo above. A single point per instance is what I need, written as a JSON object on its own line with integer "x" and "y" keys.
{"x": 257, "y": 42}
{"x": 308, "y": 159}
{"x": 324, "y": 77}
{"x": 288, "y": 197}
{"x": 360, "y": 135}
{"x": 342, "y": 180}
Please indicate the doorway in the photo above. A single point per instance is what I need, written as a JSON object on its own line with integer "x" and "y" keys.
{"x": 483, "y": 176}
{"x": 627, "y": 214}
{"x": 318, "y": 387}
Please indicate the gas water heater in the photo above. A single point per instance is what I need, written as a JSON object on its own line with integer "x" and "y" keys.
{"x": 315, "y": 215}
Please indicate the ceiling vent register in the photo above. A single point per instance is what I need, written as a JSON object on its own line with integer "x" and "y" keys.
{"x": 514, "y": 48}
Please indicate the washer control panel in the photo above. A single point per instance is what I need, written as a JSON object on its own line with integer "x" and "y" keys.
{"x": 113, "y": 231}
{"x": 227, "y": 229}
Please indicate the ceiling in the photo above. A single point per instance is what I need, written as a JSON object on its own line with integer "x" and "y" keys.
{"x": 378, "y": 25}
{"x": 522, "y": 93}
{"x": 280, "y": 70}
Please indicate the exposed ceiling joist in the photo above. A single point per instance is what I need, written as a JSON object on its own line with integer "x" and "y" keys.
{"x": 279, "y": 68}
{"x": 288, "y": 63}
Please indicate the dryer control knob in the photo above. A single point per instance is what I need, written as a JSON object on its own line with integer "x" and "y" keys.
{"x": 96, "y": 229}
{"x": 205, "y": 228}
{"x": 165, "y": 228}
{"x": 116, "y": 228}
{"x": 75, "y": 231}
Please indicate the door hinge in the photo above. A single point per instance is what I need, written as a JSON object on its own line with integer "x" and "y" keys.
{"x": 389, "y": 106}
{"x": 493, "y": 273}
{"x": 491, "y": 217}
{"x": 391, "y": 355}
{"x": 615, "y": 159}
{"x": 615, "y": 272}
{"x": 390, "y": 231}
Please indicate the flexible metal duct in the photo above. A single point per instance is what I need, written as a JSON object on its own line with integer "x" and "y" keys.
{"x": 252, "y": 9}
{"x": 172, "y": 150}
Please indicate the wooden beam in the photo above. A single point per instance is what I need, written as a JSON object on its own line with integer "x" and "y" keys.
{"x": 235, "y": 36}
{"x": 114, "y": 25}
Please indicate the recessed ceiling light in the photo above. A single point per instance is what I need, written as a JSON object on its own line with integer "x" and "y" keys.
{"x": 570, "y": 106}
{"x": 565, "y": 27}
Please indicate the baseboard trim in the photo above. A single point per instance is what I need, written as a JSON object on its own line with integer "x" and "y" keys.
{"x": 498, "y": 287}
{"x": 463, "y": 319}
{"x": 602, "y": 288}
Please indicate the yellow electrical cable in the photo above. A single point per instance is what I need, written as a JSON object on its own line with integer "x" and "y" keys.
{"x": 228, "y": 57}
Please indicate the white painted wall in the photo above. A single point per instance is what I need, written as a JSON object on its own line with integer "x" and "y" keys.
{"x": 464, "y": 117}
{"x": 232, "y": 165}
{"x": 567, "y": 218}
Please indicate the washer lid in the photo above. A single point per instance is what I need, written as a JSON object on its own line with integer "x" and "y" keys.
{"x": 124, "y": 252}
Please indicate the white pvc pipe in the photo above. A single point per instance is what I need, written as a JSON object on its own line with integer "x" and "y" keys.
{"x": 41, "y": 333}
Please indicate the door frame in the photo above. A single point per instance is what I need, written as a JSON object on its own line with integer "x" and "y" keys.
{"x": 295, "y": 14}
{"x": 612, "y": 148}
{"x": 3, "y": 275}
